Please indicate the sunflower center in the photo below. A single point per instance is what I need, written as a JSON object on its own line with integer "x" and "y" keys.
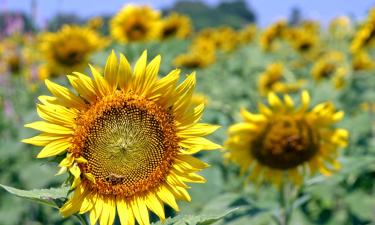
{"x": 169, "y": 31}
{"x": 137, "y": 31}
{"x": 305, "y": 46}
{"x": 328, "y": 70}
{"x": 285, "y": 144}
{"x": 129, "y": 144}
{"x": 70, "y": 56}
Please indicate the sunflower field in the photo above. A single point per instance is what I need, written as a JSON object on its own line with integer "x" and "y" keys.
{"x": 156, "y": 121}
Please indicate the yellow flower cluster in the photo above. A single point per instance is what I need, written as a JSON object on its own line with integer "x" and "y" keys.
{"x": 69, "y": 48}
{"x": 364, "y": 37}
{"x": 273, "y": 79}
{"x": 330, "y": 65}
{"x": 142, "y": 23}
{"x": 205, "y": 44}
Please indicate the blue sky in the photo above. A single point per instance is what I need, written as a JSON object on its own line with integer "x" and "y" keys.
{"x": 267, "y": 10}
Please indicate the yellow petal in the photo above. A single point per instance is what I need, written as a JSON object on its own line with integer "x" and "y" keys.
{"x": 192, "y": 116}
{"x": 199, "y": 142}
{"x": 305, "y": 99}
{"x": 67, "y": 161}
{"x": 140, "y": 211}
{"x": 54, "y": 148}
{"x": 264, "y": 110}
{"x": 107, "y": 215}
{"x": 63, "y": 95}
{"x": 73, "y": 205}
{"x": 124, "y": 212}
{"x": 164, "y": 87}
{"x": 200, "y": 129}
{"x": 110, "y": 70}
{"x": 338, "y": 116}
{"x": 100, "y": 84}
{"x": 43, "y": 139}
{"x": 151, "y": 76}
{"x": 188, "y": 177}
{"x": 47, "y": 100}
{"x": 87, "y": 203}
{"x": 191, "y": 162}
{"x": 242, "y": 128}
{"x": 140, "y": 73}
{"x": 49, "y": 128}
{"x": 124, "y": 73}
{"x": 83, "y": 85}
{"x": 173, "y": 179}
{"x": 154, "y": 204}
{"x": 289, "y": 101}
{"x": 166, "y": 196}
{"x": 274, "y": 100}
{"x": 250, "y": 117}
{"x": 97, "y": 210}
{"x": 56, "y": 115}
{"x": 179, "y": 192}
{"x": 184, "y": 92}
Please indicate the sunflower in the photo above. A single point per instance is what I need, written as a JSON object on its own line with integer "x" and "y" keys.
{"x": 362, "y": 61}
{"x": 273, "y": 80}
{"x": 327, "y": 66}
{"x": 285, "y": 142}
{"x": 135, "y": 23}
{"x": 247, "y": 34}
{"x": 127, "y": 139}
{"x": 194, "y": 60}
{"x": 226, "y": 39}
{"x": 365, "y": 35}
{"x": 275, "y": 31}
{"x": 202, "y": 53}
{"x": 340, "y": 27}
{"x": 69, "y": 48}
{"x": 176, "y": 25}
{"x": 303, "y": 40}
{"x": 95, "y": 23}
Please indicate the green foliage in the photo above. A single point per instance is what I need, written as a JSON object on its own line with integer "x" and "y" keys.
{"x": 43, "y": 196}
{"x": 231, "y": 13}
{"x": 203, "y": 219}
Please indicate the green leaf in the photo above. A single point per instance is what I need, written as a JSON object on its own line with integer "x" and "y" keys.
{"x": 42, "y": 196}
{"x": 205, "y": 219}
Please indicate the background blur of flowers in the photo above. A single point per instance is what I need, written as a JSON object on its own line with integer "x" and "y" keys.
{"x": 241, "y": 50}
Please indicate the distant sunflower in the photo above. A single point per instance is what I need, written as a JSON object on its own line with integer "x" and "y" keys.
{"x": 272, "y": 33}
{"x": 273, "y": 80}
{"x": 95, "y": 23}
{"x": 247, "y": 34}
{"x": 226, "y": 39}
{"x": 341, "y": 27}
{"x": 327, "y": 65}
{"x": 176, "y": 25}
{"x": 365, "y": 35}
{"x": 202, "y": 53}
{"x": 362, "y": 61}
{"x": 303, "y": 40}
{"x": 69, "y": 48}
{"x": 286, "y": 142}
{"x": 127, "y": 138}
{"x": 135, "y": 23}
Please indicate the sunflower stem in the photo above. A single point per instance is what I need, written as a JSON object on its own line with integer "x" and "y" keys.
{"x": 286, "y": 204}
{"x": 82, "y": 219}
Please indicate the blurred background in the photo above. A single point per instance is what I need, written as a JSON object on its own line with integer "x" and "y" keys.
{"x": 43, "y": 14}
{"x": 252, "y": 47}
